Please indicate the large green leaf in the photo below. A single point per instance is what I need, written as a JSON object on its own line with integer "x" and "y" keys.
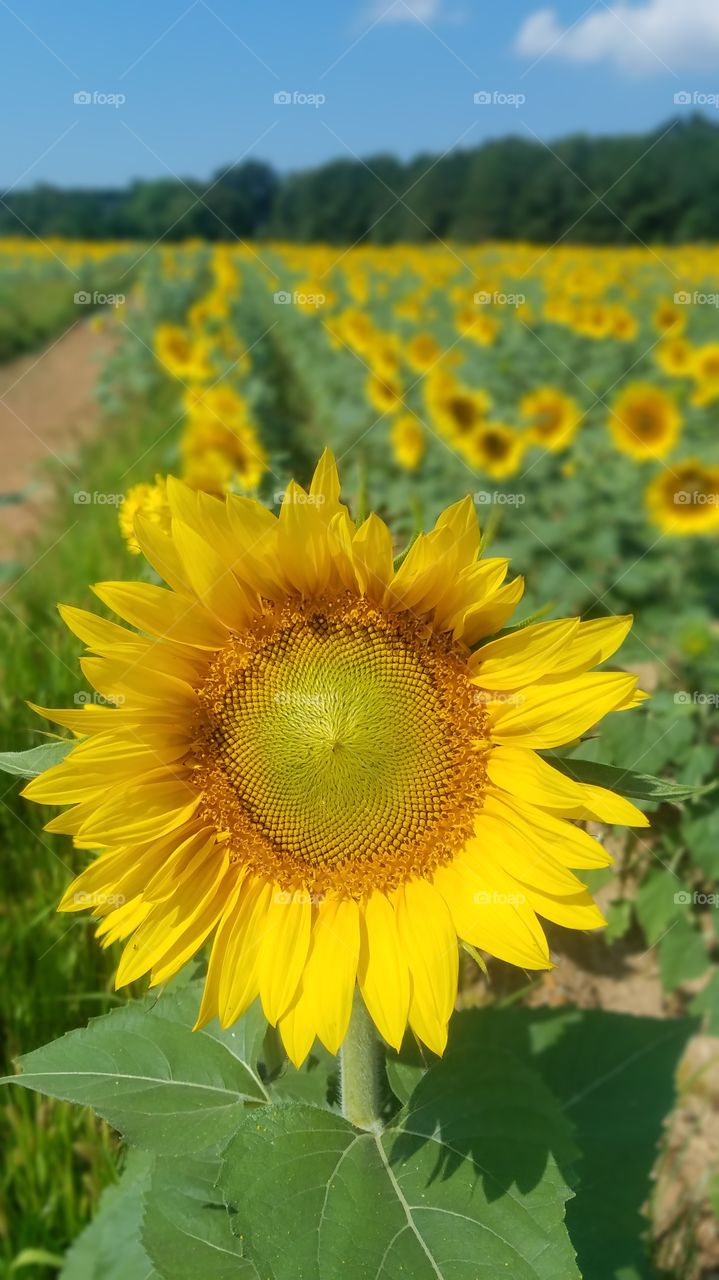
{"x": 165, "y": 1087}
{"x": 110, "y": 1247}
{"x": 30, "y": 764}
{"x": 614, "y": 1077}
{"x": 469, "y": 1181}
{"x": 640, "y": 786}
{"x": 186, "y": 1229}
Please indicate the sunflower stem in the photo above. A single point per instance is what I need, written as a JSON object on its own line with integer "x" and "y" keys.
{"x": 361, "y": 1069}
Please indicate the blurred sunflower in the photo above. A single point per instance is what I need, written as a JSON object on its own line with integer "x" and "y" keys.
{"x": 384, "y": 393}
{"x": 552, "y": 417}
{"x": 674, "y": 356}
{"x": 309, "y": 759}
{"x": 685, "y": 500}
{"x": 496, "y": 449}
{"x": 185, "y": 355}
{"x": 149, "y": 500}
{"x": 423, "y": 351}
{"x": 644, "y": 421}
{"x": 705, "y": 371}
{"x": 408, "y": 442}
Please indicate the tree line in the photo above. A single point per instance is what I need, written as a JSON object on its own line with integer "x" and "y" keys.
{"x": 659, "y": 186}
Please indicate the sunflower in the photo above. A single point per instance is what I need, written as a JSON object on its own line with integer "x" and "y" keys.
{"x": 384, "y": 393}
{"x": 183, "y": 354}
{"x": 423, "y": 351}
{"x": 310, "y": 759}
{"x": 674, "y": 356}
{"x": 495, "y": 449}
{"x": 456, "y": 410}
{"x": 408, "y": 442}
{"x": 705, "y": 370}
{"x": 644, "y": 421}
{"x": 685, "y": 500}
{"x": 151, "y": 501}
{"x": 552, "y": 417}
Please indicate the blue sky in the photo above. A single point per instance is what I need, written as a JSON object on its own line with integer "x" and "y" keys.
{"x": 199, "y": 77}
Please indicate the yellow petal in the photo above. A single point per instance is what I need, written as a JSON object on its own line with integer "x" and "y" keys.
{"x": 523, "y": 773}
{"x": 331, "y": 972}
{"x": 212, "y": 578}
{"x": 162, "y": 613}
{"x": 490, "y": 911}
{"x": 429, "y": 941}
{"x": 522, "y": 657}
{"x": 383, "y": 975}
{"x": 547, "y": 715}
{"x": 284, "y": 950}
{"x": 239, "y": 982}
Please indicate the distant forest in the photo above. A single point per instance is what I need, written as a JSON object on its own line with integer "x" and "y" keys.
{"x": 660, "y": 186}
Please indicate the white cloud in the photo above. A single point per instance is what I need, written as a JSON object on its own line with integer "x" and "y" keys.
{"x": 677, "y": 34}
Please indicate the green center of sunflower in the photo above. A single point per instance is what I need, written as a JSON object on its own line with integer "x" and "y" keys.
{"x": 339, "y": 746}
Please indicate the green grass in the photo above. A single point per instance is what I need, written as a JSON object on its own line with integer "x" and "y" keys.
{"x": 56, "y": 974}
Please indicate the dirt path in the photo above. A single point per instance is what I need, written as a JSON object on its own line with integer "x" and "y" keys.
{"x": 46, "y": 408}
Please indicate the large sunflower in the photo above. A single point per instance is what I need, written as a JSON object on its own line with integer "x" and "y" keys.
{"x": 309, "y": 756}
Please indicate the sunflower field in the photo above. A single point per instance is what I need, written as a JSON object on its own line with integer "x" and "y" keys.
{"x": 371, "y": 762}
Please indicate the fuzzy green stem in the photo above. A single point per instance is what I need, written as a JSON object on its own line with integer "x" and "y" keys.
{"x": 361, "y": 1069}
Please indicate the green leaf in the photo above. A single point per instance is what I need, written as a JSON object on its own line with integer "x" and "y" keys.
{"x": 700, "y": 834}
{"x": 166, "y": 1088}
{"x": 470, "y": 1179}
{"x": 29, "y": 764}
{"x": 639, "y": 786}
{"x": 707, "y": 1002}
{"x": 110, "y": 1247}
{"x": 613, "y": 1075}
{"x": 186, "y": 1228}
{"x": 682, "y": 955}
{"x": 660, "y": 901}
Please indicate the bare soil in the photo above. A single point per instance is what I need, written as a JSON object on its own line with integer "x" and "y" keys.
{"x": 46, "y": 409}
